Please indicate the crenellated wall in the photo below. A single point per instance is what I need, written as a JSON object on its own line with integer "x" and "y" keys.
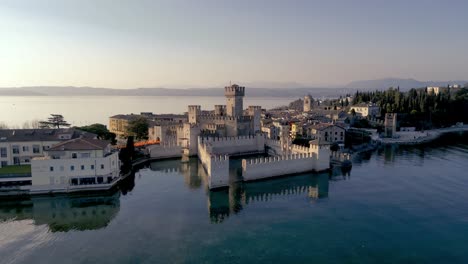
{"x": 274, "y": 147}
{"x": 262, "y": 168}
{"x": 216, "y": 166}
{"x": 165, "y": 150}
{"x": 235, "y": 145}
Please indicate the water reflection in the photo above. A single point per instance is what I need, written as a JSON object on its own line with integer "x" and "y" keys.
{"x": 64, "y": 213}
{"x": 226, "y": 202}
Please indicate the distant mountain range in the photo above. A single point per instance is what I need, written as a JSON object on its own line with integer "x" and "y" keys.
{"x": 291, "y": 90}
{"x": 404, "y": 84}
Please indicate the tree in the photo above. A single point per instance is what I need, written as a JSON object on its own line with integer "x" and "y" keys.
{"x": 101, "y": 131}
{"x": 138, "y": 128}
{"x": 54, "y": 121}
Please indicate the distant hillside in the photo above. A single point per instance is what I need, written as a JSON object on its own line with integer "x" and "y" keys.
{"x": 89, "y": 91}
{"x": 404, "y": 84}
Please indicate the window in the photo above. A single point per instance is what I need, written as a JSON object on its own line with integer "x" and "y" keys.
{"x": 25, "y": 148}
{"x": 92, "y": 167}
{"x": 3, "y": 152}
{"x": 16, "y": 161}
{"x": 102, "y": 166}
{"x": 336, "y": 133}
{"x": 15, "y": 149}
{"x": 341, "y": 133}
{"x": 36, "y": 149}
{"x": 4, "y": 163}
{"x": 72, "y": 168}
{"x": 85, "y": 155}
{"x": 74, "y": 156}
{"x": 51, "y": 168}
{"x": 82, "y": 167}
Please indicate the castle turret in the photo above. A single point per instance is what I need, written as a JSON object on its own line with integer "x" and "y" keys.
{"x": 390, "y": 125}
{"x": 307, "y": 103}
{"x": 193, "y": 112}
{"x": 220, "y": 110}
{"x": 235, "y": 99}
{"x": 255, "y": 112}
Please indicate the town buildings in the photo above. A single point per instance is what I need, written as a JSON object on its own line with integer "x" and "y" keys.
{"x": 366, "y": 110}
{"x": 436, "y": 90}
{"x": 118, "y": 124}
{"x": 75, "y": 162}
{"x": 20, "y": 146}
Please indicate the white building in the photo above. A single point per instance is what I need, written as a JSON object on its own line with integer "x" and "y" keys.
{"x": 366, "y": 110}
{"x": 75, "y": 162}
{"x": 20, "y": 146}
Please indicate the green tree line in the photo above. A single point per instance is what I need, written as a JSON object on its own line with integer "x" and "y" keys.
{"x": 419, "y": 108}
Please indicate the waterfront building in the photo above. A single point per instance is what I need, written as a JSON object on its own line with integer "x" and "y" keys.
{"x": 75, "y": 162}
{"x": 20, "y": 146}
{"x": 118, "y": 124}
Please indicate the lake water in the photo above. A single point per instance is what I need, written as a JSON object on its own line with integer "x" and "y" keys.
{"x": 85, "y": 110}
{"x": 396, "y": 205}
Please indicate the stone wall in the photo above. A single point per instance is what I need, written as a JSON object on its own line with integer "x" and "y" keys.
{"x": 235, "y": 145}
{"x": 263, "y": 168}
{"x": 273, "y": 147}
{"x": 216, "y": 166}
{"x": 165, "y": 150}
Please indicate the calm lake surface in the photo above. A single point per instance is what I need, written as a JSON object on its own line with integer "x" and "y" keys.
{"x": 85, "y": 110}
{"x": 397, "y": 204}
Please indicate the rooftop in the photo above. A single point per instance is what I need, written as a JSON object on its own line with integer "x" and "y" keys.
{"x": 21, "y": 135}
{"x": 80, "y": 144}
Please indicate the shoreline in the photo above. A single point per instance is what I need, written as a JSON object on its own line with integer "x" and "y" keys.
{"x": 431, "y": 135}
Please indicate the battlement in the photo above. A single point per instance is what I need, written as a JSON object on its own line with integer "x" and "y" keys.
{"x": 229, "y": 139}
{"x": 219, "y": 158}
{"x": 272, "y": 143}
{"x": 269, "y": 167}
{"x": 300, "y": 149}
{"x": 194, "y": 107}
{"x": 234, "y": 90}
{"x": 280, "y": 158}
{"x": 213, "y": 117}
{"x": 255, "y": 107}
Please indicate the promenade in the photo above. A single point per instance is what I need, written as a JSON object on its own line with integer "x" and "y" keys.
{"x": 419, "y": 137}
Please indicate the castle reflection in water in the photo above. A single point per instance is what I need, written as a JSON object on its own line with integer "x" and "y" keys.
{"x": 229, "y": 201}
{"x": 89, "y": 212}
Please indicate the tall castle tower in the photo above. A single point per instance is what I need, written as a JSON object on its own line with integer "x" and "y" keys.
{"x": 193, "y": 112}
{"x": 307, "y": 103}
{"x": 390, "y": 125}
{"x": 235, "y": 100}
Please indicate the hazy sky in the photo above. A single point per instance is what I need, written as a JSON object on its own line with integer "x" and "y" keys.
{"x": 128, "y": 44}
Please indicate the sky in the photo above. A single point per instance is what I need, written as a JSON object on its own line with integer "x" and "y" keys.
{"x": 208, "y": 43}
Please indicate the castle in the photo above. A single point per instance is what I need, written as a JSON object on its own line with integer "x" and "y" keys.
{"x": 229, "y": 130}
{"x": 228, "y": 120}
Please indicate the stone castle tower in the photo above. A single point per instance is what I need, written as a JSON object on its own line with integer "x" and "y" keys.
{"x": 307, "y": 103}
{"x": 193, "y": 112}
{"x": 390, "y": 125}
{"x": 235, "y": 100}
